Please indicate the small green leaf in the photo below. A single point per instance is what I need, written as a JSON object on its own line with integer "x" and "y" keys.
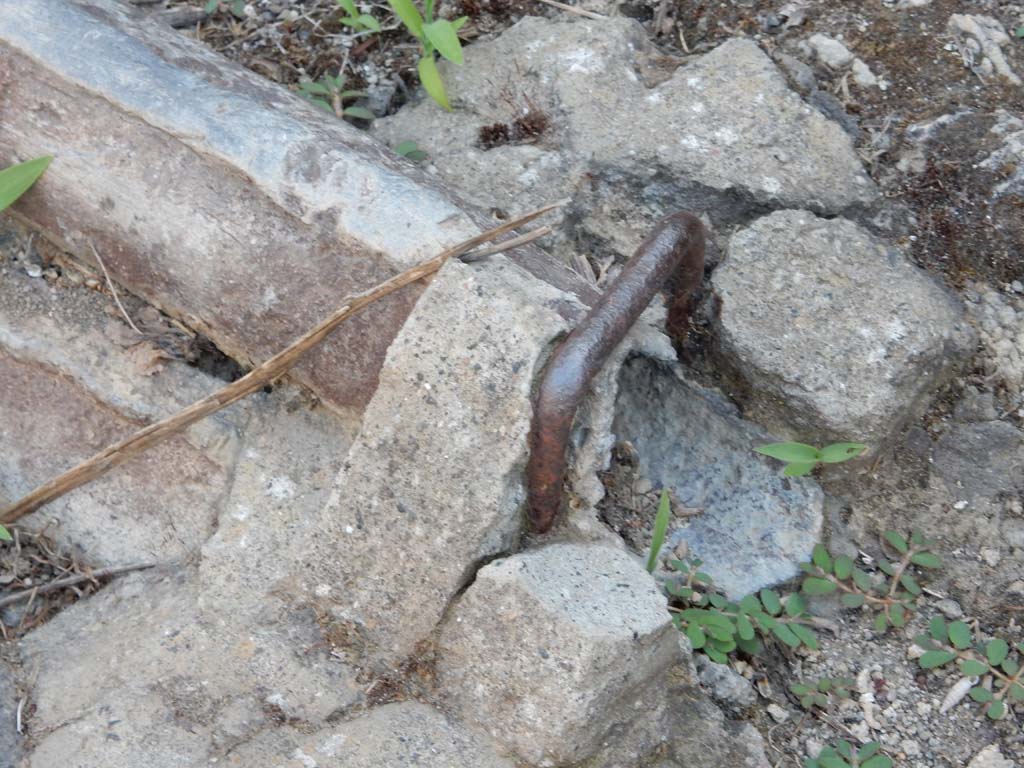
{"x": 744, "y": 628}
{"x": 886, "y": 567}
{"x": 431, "y": 80}
{"x": 972, "y": 668}
{"x": 211, "y": 6}
{"x": 750, "y": 604}
{"x": 770, "y": 600}
{"x": 361, "y": 112}
{"x": 799, "y": 452}
{"x": 1017, "y": 692}
{"x": 750, "y": 647}
{"x": 995, "y": 710}
{"x": 933, "y": 659}
{"x": 959, "y": 635}
{"x": 785, "y": 634}
{"x": 833, "y": 762}
{"x": 798, "y": 469}
{"x": 369, "y": 22}
{"x": 800, "y": 689}
{"x": 897, "y": 615}
{"x": 460, "y": 22}
{"x": 314, "y": 88}
{"x": 878, "y": 761}
{"x": 349, "y": 6}
{"x": 926, "y": 560}
{"x": 844, "y": 749}
{"x": 843, "y": 567}
{"x": 5, "y": 535}
{"x": 1010, "y": 667}
{"x": 796, "y": 605}
{"x": 815, "y": 586}
{"x": 410, "y": 16}
{"x": 703, "y": 578}
{"x": 924, "y": 641}
{"x": 821, "y": 558}
{"x": 937, "y": 629}
{"x": 909, "y": 583}
{"x": 868, "y": 750}
{"x": 716, "y": 656}
{"x": 897, "y": 542}
{"x": 660, "y": 529}
{"x": 16, "y": 180}
{"x": 996, "y": 651}
{"x": 442, "y": 34}
{"x": 838, "y": 452}
{"x": 324, "y": 105}
{"x": 805, "y": 635}
{"x": 696, "y": 637}
{"x": 852, "y": 600}
{"x": 861, "y": 580}
{"x": 881, "y": 623}
{"x": 238, "y": 8}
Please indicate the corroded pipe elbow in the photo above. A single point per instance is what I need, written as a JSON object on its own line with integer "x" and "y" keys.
{"x": 675, "y": 249}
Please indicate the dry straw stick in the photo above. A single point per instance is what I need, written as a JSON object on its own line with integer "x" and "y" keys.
{"x": 256, "y": 379}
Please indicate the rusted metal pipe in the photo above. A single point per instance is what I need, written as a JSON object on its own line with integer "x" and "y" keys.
{"x": 675, "y": 249}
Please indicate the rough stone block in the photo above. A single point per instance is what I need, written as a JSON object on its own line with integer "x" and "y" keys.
{"x": 550, "y": 649}
{"x": 434, "y": 481}
{"x": 631, "y": 136}
{"x": 836, "y": 334}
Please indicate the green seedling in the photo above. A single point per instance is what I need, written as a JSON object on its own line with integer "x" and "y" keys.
{"x": 329, "y": 94}
{"x": 660, "y": 529}
{"x": 843, "y": 755}
{"x": 822, "y": 694}
{"x": 717, "y": 626}
{"x": 5, "y": 535}
{"x": 435, "y": 36}
{"x": 237, "y": 7}
{"x": 894, "y": 596}
{"x": 360, "y": 22}
{"x": 16, "y": 180}
{"x": 801, "y": 458}
{"x": 410, "y": 151}
{"x": 995, "y": 666}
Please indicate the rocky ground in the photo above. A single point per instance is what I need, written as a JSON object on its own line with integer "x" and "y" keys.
{"x": 858, "y": 165}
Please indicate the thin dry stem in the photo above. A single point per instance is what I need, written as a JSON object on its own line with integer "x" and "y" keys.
{"x": 276, "y": 366}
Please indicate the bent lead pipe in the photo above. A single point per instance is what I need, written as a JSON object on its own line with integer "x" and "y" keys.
{"x": 675, "y": 249}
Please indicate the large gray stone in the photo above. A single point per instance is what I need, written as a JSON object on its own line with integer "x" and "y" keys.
{"x": 434, "y": 482}
{"x": 835, "y": 334}
{"x": 216, "y": 195}
{"x": 551, "y": 649}
{"x": 754, "y": 526}
{"x": 632, "y": 136}
{"x": 981, "y": 462}
{"x": 155, "y": 679}
{"x": 394, "y": 735}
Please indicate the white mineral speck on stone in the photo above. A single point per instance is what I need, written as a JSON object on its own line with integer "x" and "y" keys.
{"x": 281, "y": 488}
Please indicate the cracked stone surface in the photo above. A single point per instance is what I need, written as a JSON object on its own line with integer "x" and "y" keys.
{"x": 390, "y": 736}
{"x": 549, "y": 649}
{"x": 836, "y": 334}
{"x": 631, "y": 135}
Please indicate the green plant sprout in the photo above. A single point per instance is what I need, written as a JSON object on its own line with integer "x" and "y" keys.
{"x": 330, "y": 95}
{"x": 435, "y": 36}
{"x": 410, "y": 151}
{"x": 822, "y": 694}
{"x": 717, "y": 626}
{"x": 660, "y": 529}
{"x": 801, "y": 458}
{"x": 5, "y": 535}
{"x": 894, "y": 596}
{"x": 16, "y": 180}
{"x": 360, "y": 22}
{"x": 993, "y": 664}
{"x": 843, "y": 755}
